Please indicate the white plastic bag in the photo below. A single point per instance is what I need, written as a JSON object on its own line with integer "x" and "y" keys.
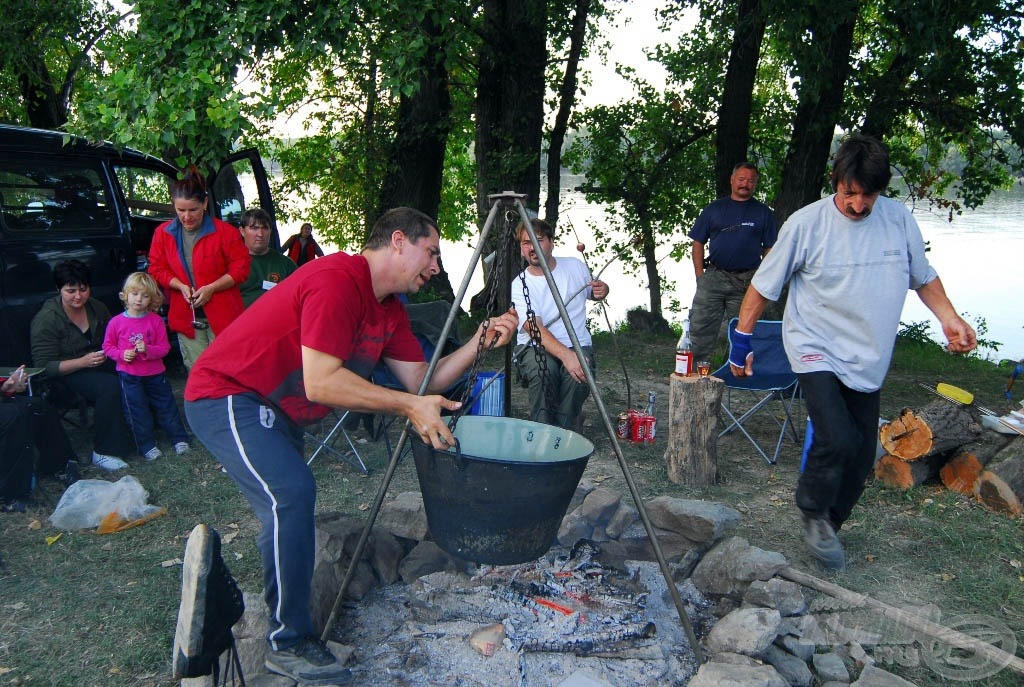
{"x": 86, "y": 502}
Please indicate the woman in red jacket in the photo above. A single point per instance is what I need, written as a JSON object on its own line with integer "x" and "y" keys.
{"x": 302, "y": 247}
{"x": 201, "y": 261}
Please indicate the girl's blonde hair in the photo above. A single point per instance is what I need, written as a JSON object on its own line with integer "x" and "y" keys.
{"x": 140, "y": 281}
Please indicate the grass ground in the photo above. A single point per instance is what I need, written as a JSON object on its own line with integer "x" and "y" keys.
{"x": 90, "y": 610}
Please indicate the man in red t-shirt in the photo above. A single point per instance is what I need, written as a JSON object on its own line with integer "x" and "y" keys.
{"x": 307, "y": 346}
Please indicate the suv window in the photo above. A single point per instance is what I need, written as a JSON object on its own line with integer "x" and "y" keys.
{"x": 54, "y": 196}
{"x": 147, "y": 195}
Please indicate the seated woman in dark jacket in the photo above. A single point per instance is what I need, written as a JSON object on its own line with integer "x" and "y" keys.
{"x": 67, "y": 333}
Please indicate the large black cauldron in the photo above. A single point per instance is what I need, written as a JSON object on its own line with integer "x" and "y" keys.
{"x": 500, "y": 496}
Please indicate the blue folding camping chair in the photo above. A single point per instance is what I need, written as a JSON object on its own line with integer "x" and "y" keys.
{"x": 773, "y": 379}
{"x": 427, "y": 322}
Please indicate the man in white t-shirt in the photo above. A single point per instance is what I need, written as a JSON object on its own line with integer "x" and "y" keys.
{"x": 849, "y": 259}
{"x": 557, "y": 395}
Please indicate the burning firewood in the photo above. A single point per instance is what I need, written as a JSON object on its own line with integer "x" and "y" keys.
{"x": 581, "y": 645}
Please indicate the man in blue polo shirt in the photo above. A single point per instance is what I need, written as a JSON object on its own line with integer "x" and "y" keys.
{"x": 730, "y": 237}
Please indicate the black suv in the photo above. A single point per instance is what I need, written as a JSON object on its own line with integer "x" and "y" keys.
{"x": 64, "y": 197}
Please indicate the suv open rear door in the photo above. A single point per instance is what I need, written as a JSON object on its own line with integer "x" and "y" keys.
{"x": 239, "y": 184}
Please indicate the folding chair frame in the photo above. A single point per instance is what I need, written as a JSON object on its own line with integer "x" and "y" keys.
{"x": 786, "y": 390}
{"x": 327, "y": 444}
{"x": 788, "y": 396}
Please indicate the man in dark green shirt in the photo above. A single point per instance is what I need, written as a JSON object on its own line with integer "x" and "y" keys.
{"x": 268, "y": 267}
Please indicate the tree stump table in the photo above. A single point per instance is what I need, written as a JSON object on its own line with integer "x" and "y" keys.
{"x": 692, "y": 453}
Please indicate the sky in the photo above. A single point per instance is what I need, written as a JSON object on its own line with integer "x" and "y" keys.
{"x": 635, "y": 29}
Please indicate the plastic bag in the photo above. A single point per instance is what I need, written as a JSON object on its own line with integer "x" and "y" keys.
{"x": 87, "y": 502}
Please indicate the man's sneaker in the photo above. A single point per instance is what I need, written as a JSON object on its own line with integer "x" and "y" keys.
{"x": 153, "y": 453}
{"x": 108, "y": 463}
{"x": 211, "y": 603}
{"x": 310, "y": 663}
{"x": 182, "y": 448}
{"x": 821, "y": 539}
{"x": 12, "y": 506}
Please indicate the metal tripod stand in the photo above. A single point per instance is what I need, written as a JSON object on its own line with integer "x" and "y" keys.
{"x": 509, "y": 199}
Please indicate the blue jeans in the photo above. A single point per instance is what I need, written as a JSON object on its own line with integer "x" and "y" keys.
{"x": 842, "y": 452}
{"x": 262, "y": 452}
{"x": 143, "y": 399}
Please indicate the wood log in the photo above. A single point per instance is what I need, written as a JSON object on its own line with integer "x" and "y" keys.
{"x": 893, "y": 471}
{"x": 1001, "y": 486}
{"x": 939, "y": 427}
{"x": 961, "y": 472}
{"x": 692, "y": 452}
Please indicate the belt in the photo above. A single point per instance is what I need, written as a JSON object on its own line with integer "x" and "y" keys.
{"x": 712, "y": 265}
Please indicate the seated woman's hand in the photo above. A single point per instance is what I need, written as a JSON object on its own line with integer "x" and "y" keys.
{"x": 94, "y": 359}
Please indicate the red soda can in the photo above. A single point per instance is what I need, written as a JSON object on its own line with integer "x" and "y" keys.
{"x": 637, "y": 427}
{"x": 622, "y": 426}
{"x": 651, "y": 423}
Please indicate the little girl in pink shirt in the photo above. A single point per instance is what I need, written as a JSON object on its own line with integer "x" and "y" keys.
{"x": 137, "y": 341}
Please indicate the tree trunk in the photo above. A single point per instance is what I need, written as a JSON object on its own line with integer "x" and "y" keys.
{"x": 902, "y": 474}
{"x": 733, "y": 131}
{"x": 510, "y": 99}
{"x": 823, "y": 71}
{"x": 962, "y": 471}
{"x": 415, "y": 162}
{"x": 939, "y": 427}
{"x": 1001, "y": 487}
{"x": 42, "y": 102}
{"x": 566, "y": 101}
{"x": 692, "y": 452}
{"x": 509, "y": 113}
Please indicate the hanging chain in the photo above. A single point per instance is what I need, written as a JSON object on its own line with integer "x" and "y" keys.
{"x": 490, "y": 307}
{"x": 539, "y": 353}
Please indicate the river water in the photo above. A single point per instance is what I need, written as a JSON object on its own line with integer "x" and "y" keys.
{"x": 978, "y": 256}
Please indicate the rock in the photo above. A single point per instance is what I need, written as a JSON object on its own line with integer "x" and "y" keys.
{"x": 385, "y": 555}
{"x": 638, "y": 545}
{"x": 702, "y": 522}
{"x": 575, "y": 526}
{"x": 830, "y": 667}
{"x": 684, "y": 568}
{"x": 784, "y": 596}
{"x": 600, "y": 505}
{"x": 425, "y": 558}
{"x": 585, "y": 486}
{"x": 405, "y": 516}
{"x": 255, "y": 620}
{"x": 488, "y": 639}
{"x": 728, "y": 675}
{"x": 735, "y": 659}
{"x": 624, "y": 516}
{"x": 791, "y": 667}
{"x": 730, "y": 567}
{"x": 876, "y": 677}
{"x": 746, "y": 631}
{"x": 252, "y": 652}
{"x": 612, "y": 555}
{"x": 793, "y": 645}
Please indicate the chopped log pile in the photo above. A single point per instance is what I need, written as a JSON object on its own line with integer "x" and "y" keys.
{"x": 945, "y": 441}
